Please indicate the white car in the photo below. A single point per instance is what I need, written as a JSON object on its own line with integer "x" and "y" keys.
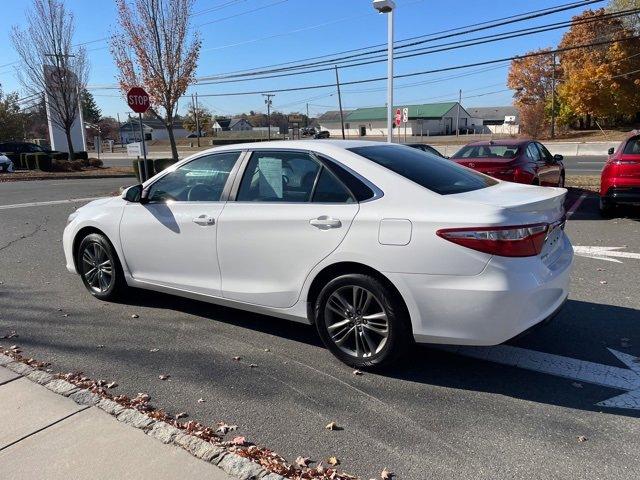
{"x": 378, "y": 245}
{"x": 6, "y": 165}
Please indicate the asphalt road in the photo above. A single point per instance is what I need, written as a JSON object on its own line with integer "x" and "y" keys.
{"x": 438, "y": 415}
{"x": 582, "y": 165}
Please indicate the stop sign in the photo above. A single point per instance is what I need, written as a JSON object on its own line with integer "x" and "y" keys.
{"x": 138, "y": 100}
{"x": 398, "y": 117}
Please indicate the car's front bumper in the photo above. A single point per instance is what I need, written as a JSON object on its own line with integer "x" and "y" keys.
{"x": 509, "y": 297}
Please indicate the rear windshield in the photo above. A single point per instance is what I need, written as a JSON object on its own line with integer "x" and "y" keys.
{"x": 487, "y": 151}
{"x": 434, "y": 173}
{"x": 633, "y": 146}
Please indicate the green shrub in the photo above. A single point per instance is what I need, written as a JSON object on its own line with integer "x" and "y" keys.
{"x": 160, "y": 164}
{"x": 60, "y": 155}
{"x": 95, "y": 162}
{"x": 43, "y": 162}
{"x": 136, "y": 168}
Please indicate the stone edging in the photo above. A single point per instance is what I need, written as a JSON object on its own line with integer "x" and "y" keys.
{"x": 231, "y": 463}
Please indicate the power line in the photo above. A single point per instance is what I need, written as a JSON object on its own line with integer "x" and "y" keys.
{"x": 242, "y": 13}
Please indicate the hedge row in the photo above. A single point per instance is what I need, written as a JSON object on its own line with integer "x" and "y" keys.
{"x": 43, "y": 161}
{"x": 153, "y": 166}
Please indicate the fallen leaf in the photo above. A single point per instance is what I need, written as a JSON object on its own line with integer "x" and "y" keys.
{"x": 357, "y": 372}
{"x": 153, "y": 350}
{"x": 332, "y": 426}
{"x": 99, "y": 346}
{"x": 601, "y": 269}
{"x": 201, "y": 400}
{"x": 237, "y": 359}
{"x": 163, "y": 376}
{"x": 582, "y": 438}
{"x": 333, "y": 461}
{"x": 181, "y": 415}
{"x": 111, "y": 385}
{"x": 239, "y": 441}
{"x": 135, "y": 315}
{"x": 223, "y": 428}
{"x": 252, "y": 365}
{"x": 267, "y": 350}
{"x": 603, "y": 282}
{"x": 302, "y": 462}
{"x": 385, "y": 474}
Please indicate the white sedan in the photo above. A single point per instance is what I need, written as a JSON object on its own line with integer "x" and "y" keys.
{"x": 378, "y": 245}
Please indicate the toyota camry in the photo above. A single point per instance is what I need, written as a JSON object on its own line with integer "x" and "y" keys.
{"x": 378, "y": 245}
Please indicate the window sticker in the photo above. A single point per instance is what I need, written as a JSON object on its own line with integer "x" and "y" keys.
{"x": 270, "y": 171}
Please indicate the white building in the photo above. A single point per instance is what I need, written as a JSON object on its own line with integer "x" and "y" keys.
{"x": 503, "y": 120}
{"x": 153, "y": 128}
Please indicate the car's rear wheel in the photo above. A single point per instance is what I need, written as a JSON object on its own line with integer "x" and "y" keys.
{"x": 607, "y": 208}
{"x": 361, "y": 321}
{"x": 99, "y": 267}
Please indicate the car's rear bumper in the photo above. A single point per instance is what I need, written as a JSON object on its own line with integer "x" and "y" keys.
{"x": 509, "y": 297}
{"x": 623, "y": 194}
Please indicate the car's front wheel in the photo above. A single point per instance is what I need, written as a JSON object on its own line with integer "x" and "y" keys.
{"x": 361, "y": 321}
{"x": 99, "y": 267}
{"x": 607, "y": 208}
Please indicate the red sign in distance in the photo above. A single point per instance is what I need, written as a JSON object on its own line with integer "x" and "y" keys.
{"x": 138, "y": 100}
{"x": 398, "y": 117}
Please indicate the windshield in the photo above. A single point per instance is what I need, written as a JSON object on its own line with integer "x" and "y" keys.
{"x": 487, "y": 151}
{"x": 434, "y": 173}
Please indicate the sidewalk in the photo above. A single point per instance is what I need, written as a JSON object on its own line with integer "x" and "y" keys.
{"x": 47, "y": 435}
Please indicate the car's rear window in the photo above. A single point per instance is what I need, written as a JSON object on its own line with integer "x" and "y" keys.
{"x": 633, "y": 146}
{"x": 434, "y": 173}
{"x": 487, "y": 151}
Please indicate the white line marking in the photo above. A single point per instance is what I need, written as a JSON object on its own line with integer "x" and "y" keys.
{"x": 592, "y": 163}
{"x": 576, "y": 204}
{"x": 581, "y": 370}
{"x": 52, "y": 202}
{"x": 604, "y": 253}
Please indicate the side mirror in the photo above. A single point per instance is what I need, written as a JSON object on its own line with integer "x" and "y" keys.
{"x": 134, "y": 194}
{"x": 611, "y": 151}
{"x": 558, "y": 158}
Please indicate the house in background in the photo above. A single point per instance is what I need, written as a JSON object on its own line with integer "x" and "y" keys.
{"x": 237, "y": 124}
{"x": 424, "y": 119}
{"x": 504, "y": 120}
{"x": 153, "y": 129}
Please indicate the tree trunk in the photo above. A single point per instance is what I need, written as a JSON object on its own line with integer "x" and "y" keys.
{"x": 72, "y": 153}
{"x": 172, "y": 141}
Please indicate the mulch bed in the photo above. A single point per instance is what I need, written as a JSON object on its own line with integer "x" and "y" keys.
{"x": 99, "y": 172}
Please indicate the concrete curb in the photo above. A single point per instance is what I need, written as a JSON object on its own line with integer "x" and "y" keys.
{"x": 65, "y": 177}
{"x": 229, "y": 462}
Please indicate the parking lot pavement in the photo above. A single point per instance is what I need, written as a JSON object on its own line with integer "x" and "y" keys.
{"x": 584, "y": 165}
{"x": 438, "y": 415}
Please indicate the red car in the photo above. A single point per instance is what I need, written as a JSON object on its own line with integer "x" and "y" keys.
{"x": 620, "y": 179}
{"x": 521, "y": 161}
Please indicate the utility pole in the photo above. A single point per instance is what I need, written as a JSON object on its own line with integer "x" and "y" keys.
{"x": 340, "y": 101}
{"x": 120, "y": 131}
{"x": 307, "y": 122}
{"x": 267, "y": 100}
{"x": 194, "y": 105}
{"x": 458, "y": 114}
{"x": 553, "y": 98}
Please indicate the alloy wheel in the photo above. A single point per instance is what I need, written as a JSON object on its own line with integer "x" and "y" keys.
{"x": 356, "y": 321}
{"x": 97, "y": 267}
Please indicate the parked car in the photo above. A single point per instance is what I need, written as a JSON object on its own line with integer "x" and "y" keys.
{"x": 308, "y": 131}
{"x": 520, "y": 161}
{"x": 22, "y": 147}
{"x": 378, "y": 245}
{"x": 321, "y": 134}
{"x": 620, "y": 178}
{"x": 6, "y": 165}
{"x": 425, "y": 148}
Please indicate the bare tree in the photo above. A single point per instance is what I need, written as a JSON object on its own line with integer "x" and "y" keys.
{"x": 49, "y": 65}
{"x": 155, "y": 49}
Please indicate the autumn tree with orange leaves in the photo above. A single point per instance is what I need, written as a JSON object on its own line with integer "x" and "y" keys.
{"x": 156, "y": 49}
{"x": 600, "y": 81}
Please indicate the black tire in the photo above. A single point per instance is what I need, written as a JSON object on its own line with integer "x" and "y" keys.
{"x": 359, "y": 329}
{"x": 607, "y": 208}
{"x": 561, "y": 182}
{"x": 101, "y": 284}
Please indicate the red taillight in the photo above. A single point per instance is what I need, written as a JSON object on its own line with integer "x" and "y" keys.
{"x": 512, "y": 241}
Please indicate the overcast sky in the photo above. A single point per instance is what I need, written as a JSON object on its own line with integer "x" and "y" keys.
{"x": 243, "y": 34}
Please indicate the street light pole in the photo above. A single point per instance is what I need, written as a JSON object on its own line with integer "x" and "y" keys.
{"x": 387, "y": 6}
{"x": 267, "y": 101}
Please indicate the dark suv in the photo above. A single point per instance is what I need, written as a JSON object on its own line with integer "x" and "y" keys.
{"x": 22, "y": 147}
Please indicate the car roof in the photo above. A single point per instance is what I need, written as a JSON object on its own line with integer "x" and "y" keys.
{"x": 314, "y": 145}
{"x": 509, "y": 142}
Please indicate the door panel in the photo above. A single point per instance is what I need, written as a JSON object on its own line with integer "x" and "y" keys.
{"x": 267, "y": 249}
{"x": 552, "y": 169}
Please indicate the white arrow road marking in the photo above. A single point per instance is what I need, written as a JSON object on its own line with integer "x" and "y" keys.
{"x": 566, "y": 367}
{"x": 604, "y": 253}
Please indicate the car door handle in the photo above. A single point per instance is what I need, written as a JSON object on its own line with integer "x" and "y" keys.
{"x": 204, "y": 220}
{"x": 324, "y": 222}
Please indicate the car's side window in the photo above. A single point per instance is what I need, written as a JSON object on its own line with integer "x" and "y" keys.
{"x": 546, "y": 154}
{"x": 201, "y": 180}
{"x": 633, "y": 146}
{"x": 330, "y": 190}
{"x": 533, "y": 153}
{"x": 273, "y": 176}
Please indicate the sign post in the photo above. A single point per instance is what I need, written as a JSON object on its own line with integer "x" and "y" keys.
{"x": 138, "y": 101}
